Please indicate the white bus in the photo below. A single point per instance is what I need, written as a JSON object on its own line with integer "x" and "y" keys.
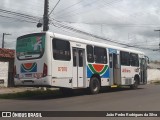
{"x": 52, "y": 60}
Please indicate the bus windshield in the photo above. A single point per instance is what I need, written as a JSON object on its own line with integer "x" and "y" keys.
{"x": 30, "y": 46}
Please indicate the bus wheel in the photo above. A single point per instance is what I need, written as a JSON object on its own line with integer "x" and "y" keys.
{"x": 94, "y": 85}
{"x": 135, "y": 85}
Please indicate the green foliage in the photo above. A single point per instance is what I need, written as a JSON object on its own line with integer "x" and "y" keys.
{"x": 157, "y": 82}
{"x": 28, "y": 94}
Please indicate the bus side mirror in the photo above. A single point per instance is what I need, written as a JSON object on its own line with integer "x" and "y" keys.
{"x": 147, "y": 59}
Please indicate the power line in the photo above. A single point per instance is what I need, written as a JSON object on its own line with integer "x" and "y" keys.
{"x": 59, "y": 24}
{"x": 20, "y": 14}
{"x": 22, "y": 20}
{"x": 126, "y": 43}
{"x": 26, "y": 17}
{"x": 69, "y": 7}
{"x": 73, "y": 11}
{"x": 134, "y": 16}
{"x": 119, "y": 25}
{"x": 54, "y": 8}
{"x": 104, "y": 3}
{"x": 89, "y": 4}
{"x": 33, "y": 6}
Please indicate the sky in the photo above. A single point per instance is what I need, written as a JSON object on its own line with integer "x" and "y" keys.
{"x": 127, "y": 21}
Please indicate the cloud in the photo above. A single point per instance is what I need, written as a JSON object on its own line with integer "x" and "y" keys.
{"x": 114, "y": 19}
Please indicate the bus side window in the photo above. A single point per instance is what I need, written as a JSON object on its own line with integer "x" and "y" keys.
{"x": 90, "y": 57}
{"x": 110, "y": 60}
{"x": 80, "y": 58}
{"x": 61, "y": 50}
{"x": 125, "y": 58}
{"x": 100, "y": 55}
{"x": 134, "y": 59}
{"x": 74, "y": 57}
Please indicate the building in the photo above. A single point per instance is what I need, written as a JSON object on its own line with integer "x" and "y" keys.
{"x": 6, "y": 67}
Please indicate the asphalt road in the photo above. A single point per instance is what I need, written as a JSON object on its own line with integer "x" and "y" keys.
{"x": 146, "y": 98}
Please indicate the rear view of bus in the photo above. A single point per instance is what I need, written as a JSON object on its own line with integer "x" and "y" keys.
{"x": 31, "y": 67}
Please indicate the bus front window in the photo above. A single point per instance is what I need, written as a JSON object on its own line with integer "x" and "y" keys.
{"x": 30, "y": 46}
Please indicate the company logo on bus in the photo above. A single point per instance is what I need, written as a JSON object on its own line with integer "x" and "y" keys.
{"x": 102, "y": 70}
{"x": 126, "y": 70}
{"x": 28, "y": 67}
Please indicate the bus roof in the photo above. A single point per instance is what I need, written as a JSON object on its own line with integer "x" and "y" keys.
{"x": 89, "y": 42}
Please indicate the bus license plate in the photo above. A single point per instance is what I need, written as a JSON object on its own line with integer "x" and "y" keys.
{"x": 28, "y": 75}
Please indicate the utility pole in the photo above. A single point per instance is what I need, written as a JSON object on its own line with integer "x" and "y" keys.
{"x": 46, "y": 16}
{"x": 3, "y": 39}
{"x": 159, "y": 36}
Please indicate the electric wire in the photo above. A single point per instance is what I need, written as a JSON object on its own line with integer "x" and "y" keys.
{"x": 33, "y": 19}
{"x": 68, "y": 7}
{"x": 95, "y": 36}
{"x": 19, "y": 14}
{"x": 22, "y": 20}
{"x": 74, "y": 13}
{"x": 54, "y": 7}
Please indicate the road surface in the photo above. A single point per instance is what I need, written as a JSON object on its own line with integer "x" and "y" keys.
{"x": 146, "y": 98}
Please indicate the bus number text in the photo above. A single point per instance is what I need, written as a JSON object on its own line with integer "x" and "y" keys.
{"x": 62, "y": 69}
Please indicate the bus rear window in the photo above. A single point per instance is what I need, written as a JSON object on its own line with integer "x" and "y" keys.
{"x": 30, "y": 46}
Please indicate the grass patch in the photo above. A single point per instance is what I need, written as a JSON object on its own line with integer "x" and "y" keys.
{"x": 29, "y": 94}
{"x": 155, "y": 82}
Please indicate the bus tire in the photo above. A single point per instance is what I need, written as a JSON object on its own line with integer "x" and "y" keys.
{"x": 135, "y": 85}
{"x": 94, "y": 86}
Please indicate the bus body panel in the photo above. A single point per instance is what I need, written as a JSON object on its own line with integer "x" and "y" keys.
{"x": 75, "y": 71}
{"x": 29, "y": 72}
{"x": 128, "y": 73}
{"x": 61, "y": 73}
{"x": 102, "y": 70}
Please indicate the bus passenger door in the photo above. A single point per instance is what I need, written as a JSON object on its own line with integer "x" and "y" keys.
{"x": 115, "y": 69}
{"x": 111, "y": 68}
{"x": 143, "y": 71}
{"x": 78, "y": 67}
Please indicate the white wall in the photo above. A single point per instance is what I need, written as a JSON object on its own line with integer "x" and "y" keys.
{"x": 4, "y": 74}
{"x": 153, "y": 74}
